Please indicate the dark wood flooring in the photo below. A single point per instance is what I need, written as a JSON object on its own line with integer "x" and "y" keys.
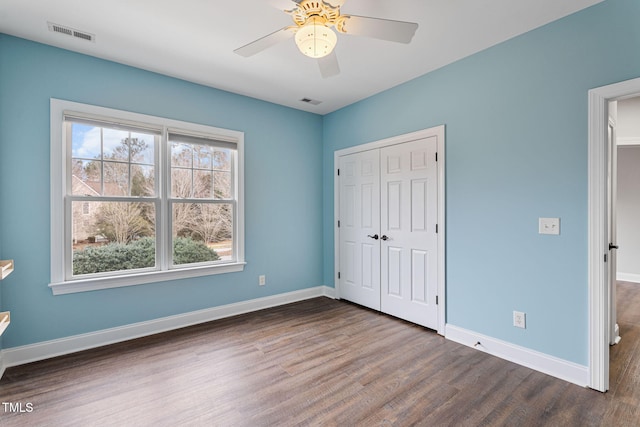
{"x": 317, "y": 362}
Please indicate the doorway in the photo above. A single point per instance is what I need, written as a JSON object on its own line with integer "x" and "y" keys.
{"x": 624, "y": 201}
{"x": 389, "y": 234}
{"x": 628, "y": 189}
{"x": 601, "y": 278}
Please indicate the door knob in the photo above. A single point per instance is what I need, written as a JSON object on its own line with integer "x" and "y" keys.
{"x": 612, "y": 246}
{"x": 374, "y": 237}
{"x": 384, "y": 237}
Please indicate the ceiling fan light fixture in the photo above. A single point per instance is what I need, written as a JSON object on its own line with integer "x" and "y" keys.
{"x": 315, "y": 39}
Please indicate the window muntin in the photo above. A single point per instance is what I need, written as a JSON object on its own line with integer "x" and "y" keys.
{"x": 98, "y": 168}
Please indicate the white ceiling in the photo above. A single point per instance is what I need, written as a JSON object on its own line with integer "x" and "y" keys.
{"x": 194, "y": 40}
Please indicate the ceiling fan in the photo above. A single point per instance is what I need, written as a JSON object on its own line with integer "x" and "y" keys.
{"x": 314, "y": 37}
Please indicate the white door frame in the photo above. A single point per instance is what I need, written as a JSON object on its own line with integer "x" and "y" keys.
{"x": 439, "y": 133}
{"x": 599, "y": 99}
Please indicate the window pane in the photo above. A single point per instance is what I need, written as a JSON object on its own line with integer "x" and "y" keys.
{"x": 115, "y": 144}
{"x": 222, "y": 185}
{"x": 142, "y": 148}
{"x": 181, "y": 155}
{"x": 86, "y": 141}
{"x": 222, "y": 160}
{"x": 142, "y": 180}
{"x": 203, "y": 184}
{"x": 116, "y": 179}
{"x": 181, "y": 183}
{"x": 112, "y": 236}
{"x": 86, "y": 178}
{"x": 202, "y": 156}
{"x": 202, "y": 232}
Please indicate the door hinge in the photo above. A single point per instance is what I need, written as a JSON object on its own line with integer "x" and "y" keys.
{"x": 338, "y": 172}
{"x": 338, "y": 223}
{"x": 436, "y": 299}
{"x": 605, "y": 257}
{"x": 338, "y": 274}
{"x": 436, "y": 156}
{"x": 436, "y": 228}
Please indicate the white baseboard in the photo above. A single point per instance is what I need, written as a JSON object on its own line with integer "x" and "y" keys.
{"x": 43, "y": 350}
{"x": 329, "y": 292}
{"x": 628, "y": 277}
{"x": 550, "y": 365}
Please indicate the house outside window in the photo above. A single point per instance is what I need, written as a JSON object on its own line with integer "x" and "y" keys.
{"x": 138, "y": 199}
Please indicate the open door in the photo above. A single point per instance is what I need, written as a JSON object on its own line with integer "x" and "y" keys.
{"x": 614, "y": 329}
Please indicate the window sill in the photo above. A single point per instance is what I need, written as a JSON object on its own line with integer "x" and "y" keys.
{"x": 94, "y": 284}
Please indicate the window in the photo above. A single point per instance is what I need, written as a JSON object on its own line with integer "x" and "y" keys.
{"x": 138, "y": 199}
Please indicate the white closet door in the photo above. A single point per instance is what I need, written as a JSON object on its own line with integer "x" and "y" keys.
{"x": 360, "y": 218}
{"x": 409, "y": 245}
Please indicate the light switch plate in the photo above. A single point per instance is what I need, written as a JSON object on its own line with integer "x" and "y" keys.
{"x": 549, "y": 226}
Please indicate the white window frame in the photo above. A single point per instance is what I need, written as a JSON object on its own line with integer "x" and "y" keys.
{"x": 61, "y": 282}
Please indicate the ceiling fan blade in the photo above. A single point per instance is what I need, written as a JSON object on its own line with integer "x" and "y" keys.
{"x": 384, "y": 29}
{"x": 265, "y": 42}
{"x": 335, "y": 3}
{"x": 329, "y": 65}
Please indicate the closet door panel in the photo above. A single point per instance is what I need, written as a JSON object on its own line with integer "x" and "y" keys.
{"x": 360, "y": 218}
{"x": 408, "y": 179}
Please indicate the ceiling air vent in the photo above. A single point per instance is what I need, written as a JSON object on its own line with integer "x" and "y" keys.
{"x": 311, "y": 101}
{"x": 83, "y": 35}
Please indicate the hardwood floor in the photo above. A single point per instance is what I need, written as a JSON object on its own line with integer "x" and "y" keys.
{"x": 317, "y": 362}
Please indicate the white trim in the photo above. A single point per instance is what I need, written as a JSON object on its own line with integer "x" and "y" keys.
{"x": 442, "y": 230}
{"x": 550, "y": 365}
{"x": 336, "y": 229}
{"x": 44, "y": 350}
{"x": 598, "y": 229}
{"x": 61, "y": 283}
{"x": 597, "y": 201}
{"x": 329, "y": 292}
{"x": 630, "y": 140}
{"x": 58, "y": 184}
{"x": 439, "y": 133}
{"x": 394, "y": 140}
{"x": 628, "y": 277}
{"x": 93, "y": 284}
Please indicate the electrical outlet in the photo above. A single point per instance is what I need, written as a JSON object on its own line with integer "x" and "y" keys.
{"x": 262, "y": 280}
{"x": 519, "y": 319}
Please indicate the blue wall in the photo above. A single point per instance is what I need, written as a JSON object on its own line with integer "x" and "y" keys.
{"x": 516, "y": 148}
{"x": 283, "y": 187}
